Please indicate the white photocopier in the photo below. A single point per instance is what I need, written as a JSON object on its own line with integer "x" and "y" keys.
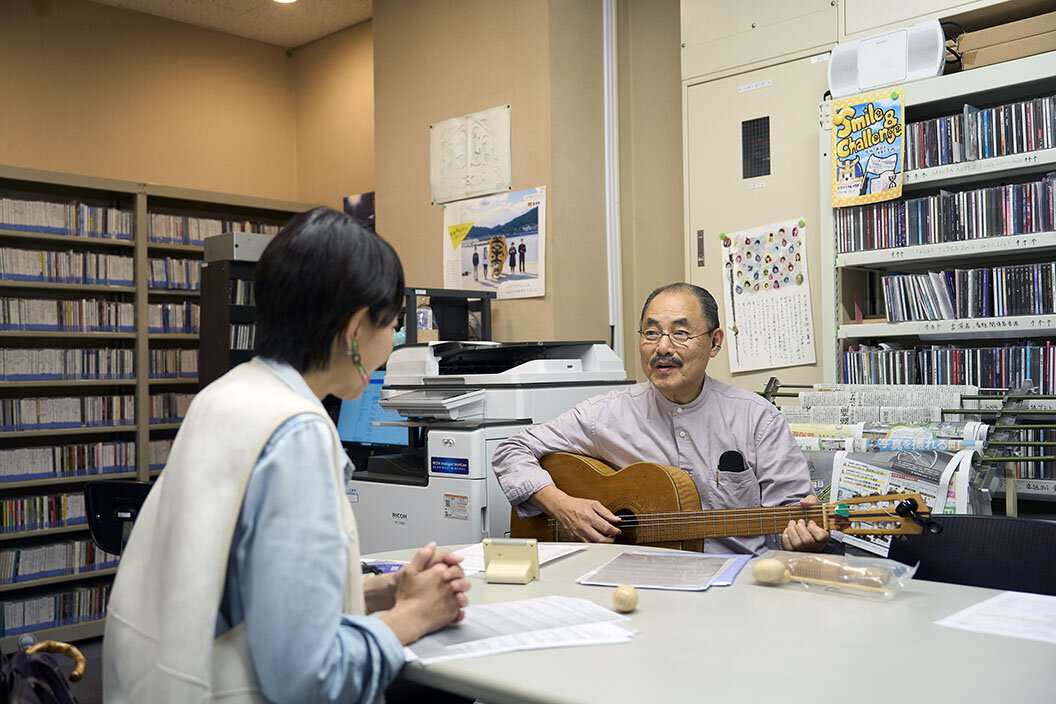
{"x": 460, "y": 400}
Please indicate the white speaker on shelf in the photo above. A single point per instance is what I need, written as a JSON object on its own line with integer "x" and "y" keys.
{"x": 899, "y": 56}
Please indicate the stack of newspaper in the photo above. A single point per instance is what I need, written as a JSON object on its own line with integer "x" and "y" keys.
{"x": 861, "y": 440}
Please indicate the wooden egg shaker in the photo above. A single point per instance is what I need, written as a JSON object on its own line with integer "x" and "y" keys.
{"x": 625, "y": 598}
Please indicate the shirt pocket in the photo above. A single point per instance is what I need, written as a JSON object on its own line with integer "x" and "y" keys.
{"x": 730, "y": 489}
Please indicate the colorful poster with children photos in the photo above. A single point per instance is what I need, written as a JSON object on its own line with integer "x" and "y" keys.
{"x": 767, "y": 292}
{"x": 867, "y": 152}
{"x": 497, "y": 243}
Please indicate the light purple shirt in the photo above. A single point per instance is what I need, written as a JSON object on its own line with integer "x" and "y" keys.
{"x": 639, "y": 424}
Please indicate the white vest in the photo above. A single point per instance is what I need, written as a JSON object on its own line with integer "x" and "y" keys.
{"x": 159, "y": 644}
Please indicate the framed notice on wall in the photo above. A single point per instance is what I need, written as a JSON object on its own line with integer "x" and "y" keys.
{"x": 470, "y": 156}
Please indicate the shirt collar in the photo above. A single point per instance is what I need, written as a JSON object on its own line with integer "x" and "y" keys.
{"x": 669, "y": 406}
{"x": 292, "y": 377}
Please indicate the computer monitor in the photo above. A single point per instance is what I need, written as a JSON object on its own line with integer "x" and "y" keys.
{"x": 355, "y": 419}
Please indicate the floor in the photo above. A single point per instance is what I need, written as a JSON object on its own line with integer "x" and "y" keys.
{"x": 90, "y": 689}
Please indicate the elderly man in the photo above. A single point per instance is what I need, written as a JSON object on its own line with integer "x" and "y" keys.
{"x": 681, "y": 417}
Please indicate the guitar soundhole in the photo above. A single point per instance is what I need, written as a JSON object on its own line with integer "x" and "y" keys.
{"x": 628, "y": 527}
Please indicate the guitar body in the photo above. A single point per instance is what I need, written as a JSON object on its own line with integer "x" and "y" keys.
{"x": 638, "y": 489}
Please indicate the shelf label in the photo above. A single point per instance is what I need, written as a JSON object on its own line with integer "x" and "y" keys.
{"x": 979, "y": 166}
{"x": 983, "y": 245}
{"x": 982, "y": 324}
{"x": 1037, "y": 487}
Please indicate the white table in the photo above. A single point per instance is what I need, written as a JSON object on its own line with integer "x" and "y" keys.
{"x": 748, "y": 642}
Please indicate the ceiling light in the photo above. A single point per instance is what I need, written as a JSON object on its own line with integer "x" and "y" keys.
{"x": 285, "y": 2}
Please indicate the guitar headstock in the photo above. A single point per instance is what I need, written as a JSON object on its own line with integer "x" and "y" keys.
{"x": 877, "y": 515}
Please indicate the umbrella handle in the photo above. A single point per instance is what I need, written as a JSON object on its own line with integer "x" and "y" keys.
{"x": 54, "y": 646}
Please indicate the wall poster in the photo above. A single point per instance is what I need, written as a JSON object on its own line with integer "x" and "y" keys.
{"x": 767, "y": 297}
{"x": 867, "y": 151}
{"x": 497, "y": 243}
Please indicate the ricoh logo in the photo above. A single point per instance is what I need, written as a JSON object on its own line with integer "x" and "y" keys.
{"x": 399, "y": 516}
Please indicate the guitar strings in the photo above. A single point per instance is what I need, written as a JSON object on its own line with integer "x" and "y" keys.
{"x": 717, "y": 518}
{"x": 729, "y": 514}
{"x": 750, "y": 512}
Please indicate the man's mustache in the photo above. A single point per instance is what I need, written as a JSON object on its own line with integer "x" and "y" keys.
{"x": 673, "y": 361}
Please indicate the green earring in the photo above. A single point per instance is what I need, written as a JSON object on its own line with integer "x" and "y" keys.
{"x": 358, "y": 361}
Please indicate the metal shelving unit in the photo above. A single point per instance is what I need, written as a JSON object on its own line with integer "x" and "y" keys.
{"x": 927, "y": 99}
{"x": 1001, "y": 451}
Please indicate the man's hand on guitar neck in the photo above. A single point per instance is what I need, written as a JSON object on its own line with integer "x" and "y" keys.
{"x": 805, "y": 536}
{"x": 584, "y": 519}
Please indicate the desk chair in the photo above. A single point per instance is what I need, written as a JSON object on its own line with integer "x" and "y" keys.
{"x": 112, "y": 506}
{"x": 997, "y": 552}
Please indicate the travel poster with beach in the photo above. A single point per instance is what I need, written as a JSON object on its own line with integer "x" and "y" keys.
{"x": 497, "y": 243}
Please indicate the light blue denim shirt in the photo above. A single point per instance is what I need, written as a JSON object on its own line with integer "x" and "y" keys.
{"x": 286, "y": 575}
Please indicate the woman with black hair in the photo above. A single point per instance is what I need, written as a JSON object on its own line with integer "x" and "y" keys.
{"x": 241, "y": 580}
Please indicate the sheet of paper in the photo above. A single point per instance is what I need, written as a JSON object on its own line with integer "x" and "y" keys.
{"x": 1013, "y": 614}
{"x": 526, "y": 624}
{"x": 473, "y": 555}
{"x": 659, "y": 570}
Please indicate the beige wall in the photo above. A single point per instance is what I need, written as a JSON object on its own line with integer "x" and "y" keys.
{"x": 438, "y": 60}
{"x": 109, "y": 92}
{"x": 578, "y": 283}
{"x": 97, "y": 90}
{"x": 650, "y": 158}
{"x": 334, "y": 79}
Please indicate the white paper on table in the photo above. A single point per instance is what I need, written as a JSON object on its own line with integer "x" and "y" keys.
{"x": 681, "y": 571}
{"x": 473, "y": 555}
{"x": 526, "y": 624}
{"x": 1013, "y": 614}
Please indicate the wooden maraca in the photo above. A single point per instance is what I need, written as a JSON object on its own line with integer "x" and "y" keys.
{"x": 772, "y": 571}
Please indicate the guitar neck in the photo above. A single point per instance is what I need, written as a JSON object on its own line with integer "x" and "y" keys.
{"x": 695, "y": 525}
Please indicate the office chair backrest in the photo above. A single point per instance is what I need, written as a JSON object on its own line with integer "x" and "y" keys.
{"x": 112, "y": 506}
{"x": 997, "y": 552}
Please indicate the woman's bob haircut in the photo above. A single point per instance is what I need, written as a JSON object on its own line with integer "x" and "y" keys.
{"x": 313, "y": 276}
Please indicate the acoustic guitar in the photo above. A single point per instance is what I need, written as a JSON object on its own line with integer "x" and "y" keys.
{"x": 660, "y": 506}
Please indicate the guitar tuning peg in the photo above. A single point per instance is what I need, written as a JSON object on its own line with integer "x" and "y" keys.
{"x": 908, "y": 507}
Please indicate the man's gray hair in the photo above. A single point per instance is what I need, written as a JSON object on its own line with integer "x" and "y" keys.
{"x": 707, "y": 302}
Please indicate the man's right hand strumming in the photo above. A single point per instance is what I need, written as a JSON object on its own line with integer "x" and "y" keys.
{"x": 584, "y": 520}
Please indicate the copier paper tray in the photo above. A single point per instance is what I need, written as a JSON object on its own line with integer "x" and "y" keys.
{"x": 446, "y": 404}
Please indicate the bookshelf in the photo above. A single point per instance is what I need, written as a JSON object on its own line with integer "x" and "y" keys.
{"x": 228, "y": 316}
{"x": 981, "y": 214}
{"x": 132, "y": 252}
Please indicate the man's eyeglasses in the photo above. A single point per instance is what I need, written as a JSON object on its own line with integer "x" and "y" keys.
{"x": 678, "y": 337}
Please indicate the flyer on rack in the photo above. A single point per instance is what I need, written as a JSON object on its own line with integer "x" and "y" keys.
{"x": 497, "y": 243}
{"x": 767, "y": 297}
{"x": 867, "y": 152}
{"x": 941, "y": 479}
